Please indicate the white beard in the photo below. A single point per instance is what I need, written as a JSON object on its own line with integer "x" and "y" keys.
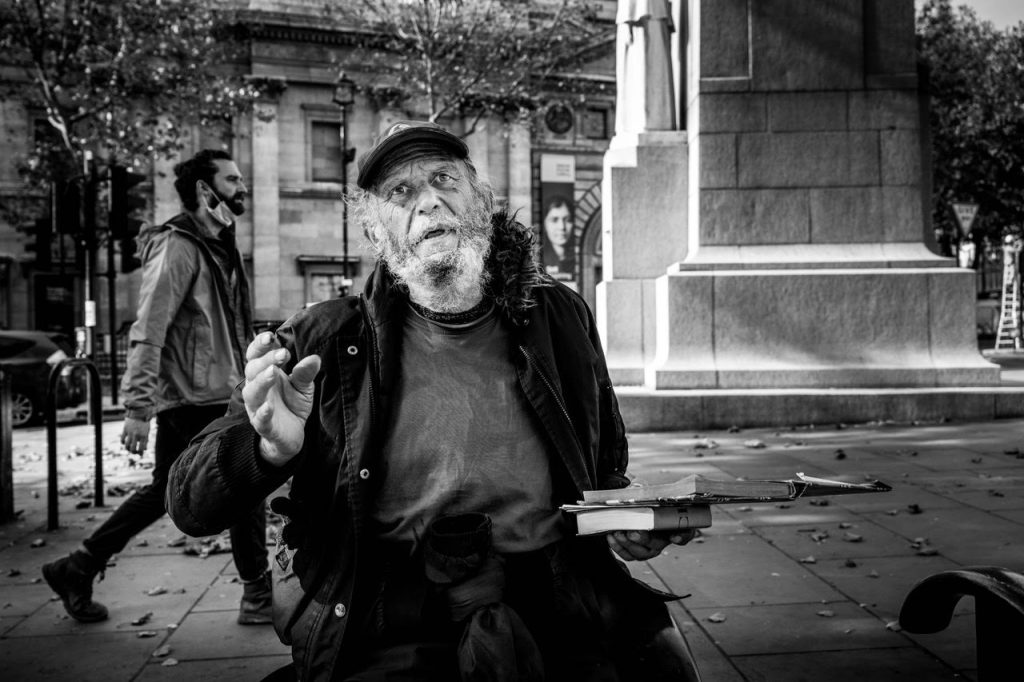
{"x": 448, "y": 282}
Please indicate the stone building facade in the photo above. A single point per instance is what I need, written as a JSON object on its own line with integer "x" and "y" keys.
{"x": 292, "y": 235}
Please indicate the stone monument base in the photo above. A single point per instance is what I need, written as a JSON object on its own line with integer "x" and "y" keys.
{"x": 645, "y": 409}
{"x": 882, "y": 316}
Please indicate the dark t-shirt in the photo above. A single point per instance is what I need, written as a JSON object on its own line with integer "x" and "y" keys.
{"x": 463, "y": 439}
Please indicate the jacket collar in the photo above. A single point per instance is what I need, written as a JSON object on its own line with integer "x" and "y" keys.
{"x": 512, "y": 264}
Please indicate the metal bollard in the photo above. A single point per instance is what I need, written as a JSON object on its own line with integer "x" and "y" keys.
{"x": 6, "y": 449}
{"x": 95, "y": 413}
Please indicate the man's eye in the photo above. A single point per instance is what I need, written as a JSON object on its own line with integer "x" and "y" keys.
{"x": 399, "y": 191}
{"x": 444, "y": 178}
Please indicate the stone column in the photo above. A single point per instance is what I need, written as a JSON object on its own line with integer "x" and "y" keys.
{"x": 519, "y": 171}
{"x": 478, "y": 152}
{"x": 266, "y": 201}
{"x": 644, "y": 189}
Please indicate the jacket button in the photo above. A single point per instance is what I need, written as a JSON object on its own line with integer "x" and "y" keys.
{"x": 340, "y": 610}
{"x": 352, "y": 350}
{"x": 364, "y": 474}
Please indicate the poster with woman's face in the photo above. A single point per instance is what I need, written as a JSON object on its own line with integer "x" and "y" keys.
{"x": 558, "y": 245}
{"x": 559, "y": 248}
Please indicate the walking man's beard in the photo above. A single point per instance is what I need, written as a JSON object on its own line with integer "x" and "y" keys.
{"x": 451, "y": 281}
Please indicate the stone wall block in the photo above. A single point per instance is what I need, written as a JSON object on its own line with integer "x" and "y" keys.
{"x": 724, "y": 44}
{"x": 645, "y": 195}
{"x": 902, "y": 213}
{"x": 950, "y": 299}
{"x": 882, "y": 109}
{"x": 730, "y": 113}
{"x": 744, "y": 217}
{"x": 804, "y": 112}
{"x": 801, "y": 45}
{"x": 846, "y": 214}
{"x": 717, "y": 160}
{"x": 852, "y": 319}
{"x": 901, "y": 157}
{"x": 889, "y": 37}
{"x": 626, "y": 321}
{"x": 817, "y": 159}
{"x": 723, "y": 85}
{"x": 685, "y": 356}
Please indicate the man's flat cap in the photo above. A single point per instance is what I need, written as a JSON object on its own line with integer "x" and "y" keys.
{"x": 404, "y": 136}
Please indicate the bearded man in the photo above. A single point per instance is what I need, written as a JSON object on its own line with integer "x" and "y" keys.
{"x": 431, "y": 428}
{"x": 188, "y": 344}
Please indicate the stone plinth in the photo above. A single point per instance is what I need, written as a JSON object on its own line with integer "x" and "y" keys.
{"x": 817, "y": 327}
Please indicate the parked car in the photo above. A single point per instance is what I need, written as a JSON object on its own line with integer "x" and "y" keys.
{"x": 28, "y": 357}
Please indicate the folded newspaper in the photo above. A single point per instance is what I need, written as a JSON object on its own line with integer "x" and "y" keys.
{"x": 698, "y": 489}
{"x": 684, "y": 503}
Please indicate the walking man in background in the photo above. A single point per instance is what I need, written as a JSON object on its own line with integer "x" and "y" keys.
{"x": 432, "y": 427}
{"x": 187, "y": 354}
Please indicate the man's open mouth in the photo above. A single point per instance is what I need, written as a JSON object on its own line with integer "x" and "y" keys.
{"x": 436, "y": 232}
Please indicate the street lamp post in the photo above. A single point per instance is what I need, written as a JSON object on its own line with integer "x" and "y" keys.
{"x": 344, "y": 97}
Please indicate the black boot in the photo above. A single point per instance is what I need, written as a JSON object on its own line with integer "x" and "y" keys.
{"x": 257, "y": 602}
{"x": 71, "y": 578}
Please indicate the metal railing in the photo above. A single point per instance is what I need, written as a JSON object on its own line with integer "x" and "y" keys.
{"x": 95, "y": 414}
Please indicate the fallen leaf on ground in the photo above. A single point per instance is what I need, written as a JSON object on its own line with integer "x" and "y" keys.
{"x": 162, "y": 651}
{"x": 157, "y": 591}
{"x": 717, "y": 618}
{"x": 143, "y": 619}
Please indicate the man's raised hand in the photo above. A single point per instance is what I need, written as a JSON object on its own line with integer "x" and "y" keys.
{"x": 278, "y": 404}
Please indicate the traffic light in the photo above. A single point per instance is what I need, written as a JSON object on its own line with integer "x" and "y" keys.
{"x": 123, "y": 202}
{"x": 39, "y": 242}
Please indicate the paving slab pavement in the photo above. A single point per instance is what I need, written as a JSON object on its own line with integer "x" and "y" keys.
{"x": 778, "y": 592}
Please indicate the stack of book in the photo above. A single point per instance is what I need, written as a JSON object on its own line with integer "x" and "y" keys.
{"x": 686, "y": 503}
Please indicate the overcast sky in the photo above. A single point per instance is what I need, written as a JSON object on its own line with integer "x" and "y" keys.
{"x": 1002, "y": 13}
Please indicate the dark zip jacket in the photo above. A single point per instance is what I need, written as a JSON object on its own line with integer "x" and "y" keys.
{"x": 561, "y": 370}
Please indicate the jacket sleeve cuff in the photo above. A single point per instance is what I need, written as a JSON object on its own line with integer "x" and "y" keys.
{"x": 614, "y": 481}
{"x": 240, "y": 460}
{"x": 141, "y": 413}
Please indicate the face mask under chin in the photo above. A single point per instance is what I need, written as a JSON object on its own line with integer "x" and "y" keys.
{"x": 221, "y": 213}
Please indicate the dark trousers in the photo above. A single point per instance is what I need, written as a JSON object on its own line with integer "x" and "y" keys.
{"x": 175, "y": 428}
{"x": 409, "y": 637}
